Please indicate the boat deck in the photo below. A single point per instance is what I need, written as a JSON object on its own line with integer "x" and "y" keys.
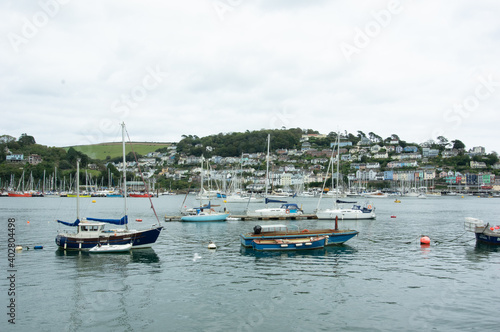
{"x": 246, "y": 218}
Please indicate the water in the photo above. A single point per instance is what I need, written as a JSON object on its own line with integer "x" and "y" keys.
{"x": 381, "y": 280}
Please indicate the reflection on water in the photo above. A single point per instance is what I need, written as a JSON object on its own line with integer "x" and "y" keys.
{"x": 327, "y": 251}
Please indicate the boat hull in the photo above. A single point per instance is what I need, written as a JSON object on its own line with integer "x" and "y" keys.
{"x": 345, "y": 214}
{"x": 104, "y": 249}
{"x": 485, "y": 237}
{"x": 290, "y": 244}
{"x": 206, "y": 217}
{"x": 139, "y": 239}
{"x": 334, "y": 237}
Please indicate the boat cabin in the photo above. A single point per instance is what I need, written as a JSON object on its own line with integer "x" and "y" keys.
{"x": 292, "y": 207}
{"x": 87, "y": 229}
{"x": 269, "y": 228}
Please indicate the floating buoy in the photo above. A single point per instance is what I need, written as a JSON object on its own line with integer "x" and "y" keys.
{"x": 425, "y": 240}
{"x": 93, "y": 201}
{"x": 139, "y": 220}
{"x": 212, "y": 245}
{"x": 28, "y": 222}
{"x": 38, "y": 247}
{"x": 19, "y": 248}
{"x": 492, "y": 228}
{"x": 393, "y": 216}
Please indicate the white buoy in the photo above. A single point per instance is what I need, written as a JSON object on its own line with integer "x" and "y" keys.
{"x": 19, "y": 248}
{"x": 212, "y": 245}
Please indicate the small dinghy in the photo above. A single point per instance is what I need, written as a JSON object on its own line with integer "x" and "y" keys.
{"x": 110, "y": 248}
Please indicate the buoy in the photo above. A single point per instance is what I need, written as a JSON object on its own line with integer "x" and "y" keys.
{"x": 28, "y": 221}
{"x": 19, "y": 248}
{"x": 93, "y": 201}
{"x": 139, "y": 220}
{"x": 38, "y": 247}
{"x": 492, "y": 228}
{"x": 212, "y": 245}
{"x": 393, "y": 216}
{"x": 425, "y": 240}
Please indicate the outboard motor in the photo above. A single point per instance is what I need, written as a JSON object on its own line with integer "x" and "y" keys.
{"x": 257, "y": 229}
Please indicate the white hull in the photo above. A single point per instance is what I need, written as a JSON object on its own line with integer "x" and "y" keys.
{"x": 345, "y": 214}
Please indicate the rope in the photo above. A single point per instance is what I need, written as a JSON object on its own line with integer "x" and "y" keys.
{"x": 142, "y": 177}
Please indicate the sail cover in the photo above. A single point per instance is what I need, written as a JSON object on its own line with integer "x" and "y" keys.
{"x": 339, "y": 201}
{"x": 274, "y": 201}
{"x": 121, "y": 221}
{"x": 77, "y": 221}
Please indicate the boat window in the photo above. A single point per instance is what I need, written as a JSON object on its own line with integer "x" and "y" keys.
{"x": 94, "y": 228}
{"x": 84, "y": 228}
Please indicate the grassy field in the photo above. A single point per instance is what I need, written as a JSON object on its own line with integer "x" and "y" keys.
{"x": 103, "y": 150}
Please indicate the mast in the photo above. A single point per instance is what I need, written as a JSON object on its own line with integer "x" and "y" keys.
{"x": 78, "y": 189}
{"x": 124, "y": 173}
{"x": 267, "y": 162}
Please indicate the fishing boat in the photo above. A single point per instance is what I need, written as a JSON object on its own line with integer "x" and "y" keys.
{"x": 355, "y": 212}
{"x": 485, "y": 233}
{"x": 91, "y": 232}
{"x": 110, "y": 248}
{"x": 280, "y": 231}
{"x": 303, "y": 243}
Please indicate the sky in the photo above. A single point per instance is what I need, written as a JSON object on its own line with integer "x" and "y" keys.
{"x": 71, "y": 71}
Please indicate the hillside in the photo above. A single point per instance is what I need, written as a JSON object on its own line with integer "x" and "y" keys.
{"x": 114, "y": 149}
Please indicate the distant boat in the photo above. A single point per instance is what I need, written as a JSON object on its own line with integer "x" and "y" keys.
{"x": 284, "y": 210}
{"x": 279, "y": 231}
{"x": 19, "y": 194}
{"x": 304, "y": 243}
{"x": 90, "y": 232}
{"x": 110, "y": 248}
{"x": 484, "y": 232}
{"x": 375, "y": 194}
{"x": 140, "y": 195}
{"x": 204, "y": 213}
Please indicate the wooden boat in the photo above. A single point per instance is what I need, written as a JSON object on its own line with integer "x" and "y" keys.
{"x": 110, "y": 248}
{"x": 303, "y": 243}
{"x": 485, "y": 233}
{"x": 335, "y": 236}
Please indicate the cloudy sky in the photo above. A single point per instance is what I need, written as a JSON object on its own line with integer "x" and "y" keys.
{"x": 72, "y": 70}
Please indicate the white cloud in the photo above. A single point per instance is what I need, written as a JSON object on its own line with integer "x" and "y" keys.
{"x": 263, "y": 65}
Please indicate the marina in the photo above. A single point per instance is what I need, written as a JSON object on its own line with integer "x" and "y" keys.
{"x": 384, "y": 271}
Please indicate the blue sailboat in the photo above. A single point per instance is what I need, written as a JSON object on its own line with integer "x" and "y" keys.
{"x": 91, "y": 232}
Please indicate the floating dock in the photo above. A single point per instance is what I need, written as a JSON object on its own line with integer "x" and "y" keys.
{"x": 246, "y": 218}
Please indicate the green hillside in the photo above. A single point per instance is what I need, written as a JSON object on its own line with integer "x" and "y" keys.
{"x": 113, "y": 150}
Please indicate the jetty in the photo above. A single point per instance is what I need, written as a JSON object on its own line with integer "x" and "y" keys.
{"x": 247, "y": 218}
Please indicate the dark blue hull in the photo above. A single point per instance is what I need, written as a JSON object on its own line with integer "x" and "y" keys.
{"x": 333, "y": 238}
{"x": 139, "y": 239}
{"x": 490, "y": 239}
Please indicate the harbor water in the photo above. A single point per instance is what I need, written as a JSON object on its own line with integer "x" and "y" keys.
{"x": 381, "y": 280}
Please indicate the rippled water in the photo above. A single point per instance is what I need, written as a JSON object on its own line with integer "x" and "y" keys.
{"x": 381, "y": 280}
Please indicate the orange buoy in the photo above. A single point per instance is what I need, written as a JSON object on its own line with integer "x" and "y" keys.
{"x": 425, "y": 240}
{"x": 138, "y": 220}
{"x": 28, "y": 221}
{"x": 305, "y": 230}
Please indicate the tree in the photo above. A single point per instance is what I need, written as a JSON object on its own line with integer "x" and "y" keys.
{"x": 25, "y": 140}
{"x": 443, "y": 142}
{"x": 457, "y": 144}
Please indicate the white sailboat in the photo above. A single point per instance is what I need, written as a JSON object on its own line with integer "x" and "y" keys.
{"x": 286, "y": 209}
{"x": 353, "y": 213}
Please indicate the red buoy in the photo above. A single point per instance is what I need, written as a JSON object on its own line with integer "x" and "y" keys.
{"x": 393, "y": 216}
{"x": 425, "y": 240}
{"x": 138, "y": 220}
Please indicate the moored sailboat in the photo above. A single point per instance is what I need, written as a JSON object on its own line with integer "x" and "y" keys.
{"x": 91, "y": 232}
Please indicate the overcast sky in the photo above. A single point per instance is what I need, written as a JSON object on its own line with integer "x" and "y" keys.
{"x": 72, "y": 70}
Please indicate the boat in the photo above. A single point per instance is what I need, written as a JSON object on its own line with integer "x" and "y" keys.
{"x": 91, "y": 232}
{"x": 140, "y": 195}
{"x": 375, "y": 194}
{"x": 484, "y": 232}
{"x": 285, "y": 209}
{"x": 397, "y": 201}
{"x": 303, "y": 243}
{"x": 355, "y": 212}
{"x": 203, "y": 212}
{"x": 19, "y": 194}
{"x": 110, "y": 248}
{"x": 280, "y": 231}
